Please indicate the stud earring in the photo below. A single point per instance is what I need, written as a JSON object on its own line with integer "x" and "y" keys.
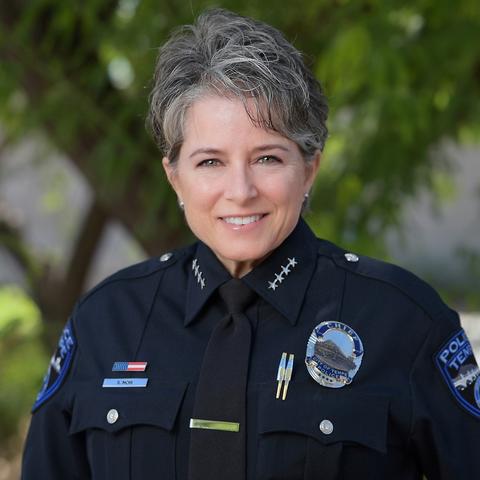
{"x": 181, "y": 205}
{"x": 305, "y": 202}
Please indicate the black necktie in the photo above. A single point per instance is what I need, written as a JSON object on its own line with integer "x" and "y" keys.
{"x": 218, "y": 424}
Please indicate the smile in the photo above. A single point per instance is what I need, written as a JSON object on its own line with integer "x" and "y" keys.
{"x": 242, "y": 220}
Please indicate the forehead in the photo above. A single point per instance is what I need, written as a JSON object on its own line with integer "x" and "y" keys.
{"x": 225, "y": 120}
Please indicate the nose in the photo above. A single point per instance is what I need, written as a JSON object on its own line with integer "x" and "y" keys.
{"x": 240, "y": 183}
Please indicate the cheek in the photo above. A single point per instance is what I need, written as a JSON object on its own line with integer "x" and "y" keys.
{"x": 196, "y": 188}
{"x": 285, "y": 189}
{"x": 201, "y": 199}
{"x": 203, "y": 193}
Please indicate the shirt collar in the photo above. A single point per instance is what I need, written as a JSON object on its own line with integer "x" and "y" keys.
{"x": 281, "y": 279}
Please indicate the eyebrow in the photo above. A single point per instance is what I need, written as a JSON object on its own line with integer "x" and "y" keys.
{"x": 260, "y": 148}
{"x": 271, "y": 146}
{"x": 209, "y": 151}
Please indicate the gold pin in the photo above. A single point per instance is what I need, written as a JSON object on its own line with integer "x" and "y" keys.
{"x": 288, "y": 375}
{"x": 281, "y": 373}
{"x": 214, "y": 425}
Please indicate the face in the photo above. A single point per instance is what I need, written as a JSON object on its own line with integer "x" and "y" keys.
{"x": 242, "y": 186}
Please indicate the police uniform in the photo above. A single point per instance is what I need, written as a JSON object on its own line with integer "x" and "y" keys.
{"x": 410, "y": 405}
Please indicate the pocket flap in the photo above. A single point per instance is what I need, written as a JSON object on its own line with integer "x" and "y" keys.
{"x": 157, "y": 404}
{"x": 355, "y": 418}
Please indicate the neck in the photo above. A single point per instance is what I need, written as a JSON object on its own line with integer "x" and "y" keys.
{"x": 239, "y": 269}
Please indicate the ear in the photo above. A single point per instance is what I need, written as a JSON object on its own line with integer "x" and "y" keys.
{"x": 171, "y": 174}
{"x": 312, "y": 170}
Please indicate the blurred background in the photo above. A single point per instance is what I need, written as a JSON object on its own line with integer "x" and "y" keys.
{"x": 82, "y": 191}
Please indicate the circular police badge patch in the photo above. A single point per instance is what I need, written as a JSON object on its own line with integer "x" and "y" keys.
{"x": 334, "y": 354}
{"x": 477, "y": 391}
{"x": 58, "y": 367}
{"x": 460, "y": 370}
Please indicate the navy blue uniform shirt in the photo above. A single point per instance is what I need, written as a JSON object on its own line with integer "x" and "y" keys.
{"x": 412, "y": 409}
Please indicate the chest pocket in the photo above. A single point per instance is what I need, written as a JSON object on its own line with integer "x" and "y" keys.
{"x": 310, "y": 436}
{"x": 129, "y": 432}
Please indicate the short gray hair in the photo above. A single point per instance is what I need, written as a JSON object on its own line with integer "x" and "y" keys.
{"x": 226, "y": 54}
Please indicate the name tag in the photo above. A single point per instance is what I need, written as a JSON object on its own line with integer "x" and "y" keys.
{"x": 124, "y": 382}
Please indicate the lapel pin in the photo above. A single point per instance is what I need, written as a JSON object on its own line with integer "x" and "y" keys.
{"x": 284, "y": 374}
{"x": 288, "y": 375}
{"x": 129, "y": 366}
{"x": 281, "y": 373}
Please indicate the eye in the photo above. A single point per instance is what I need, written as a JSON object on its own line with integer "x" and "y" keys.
{"x": 210, "y": 162}
{"x": 268, "y": 159}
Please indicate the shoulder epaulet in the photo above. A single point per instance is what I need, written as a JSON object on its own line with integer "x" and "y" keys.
{"x": 139, "y": 270}
{"x": 408, "y": 283}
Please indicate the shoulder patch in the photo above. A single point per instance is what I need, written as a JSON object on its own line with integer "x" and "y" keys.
{"x": 460, "y": 370}
{"x": 58, "y": 367}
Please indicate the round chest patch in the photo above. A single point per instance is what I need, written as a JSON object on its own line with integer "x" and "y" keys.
{"x": 334, "y": 354}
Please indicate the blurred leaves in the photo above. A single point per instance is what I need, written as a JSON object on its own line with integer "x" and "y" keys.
{"x": 19, "y": 316}
{"x": 401, "y": 77}
{"x": 22, "y": 357}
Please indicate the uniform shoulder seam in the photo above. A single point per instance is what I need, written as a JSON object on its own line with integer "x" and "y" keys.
{"x": 142, "y": 269}
{"x": 409, "y": 284}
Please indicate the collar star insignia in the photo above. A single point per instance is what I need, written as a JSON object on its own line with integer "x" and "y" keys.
{"x": 272, "y": 285}
{"x": 292, "y": 262}
{"x": 281, "y": 280}
{"x": 198, "y": 273}
{"x": 285, "y": 270}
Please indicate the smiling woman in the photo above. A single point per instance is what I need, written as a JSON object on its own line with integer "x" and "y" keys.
{"x": 258, "y": 352}
{"x": 242, "y": 186}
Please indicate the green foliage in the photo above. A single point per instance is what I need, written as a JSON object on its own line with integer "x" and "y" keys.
{"x": 22, "y": 357}
{"x": 400, "y": 76}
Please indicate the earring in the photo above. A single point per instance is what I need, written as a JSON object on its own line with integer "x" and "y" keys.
{"x": 181, "y": 205}
{"x": 305, "y": 202}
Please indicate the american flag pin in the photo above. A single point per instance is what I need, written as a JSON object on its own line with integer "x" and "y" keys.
{"x": 129, "y": 366}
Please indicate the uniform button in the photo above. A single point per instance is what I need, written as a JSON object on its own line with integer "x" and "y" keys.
{"x": 112, "y": 416}
{"x": 165, "y": 257}
{"x": 351, "y": 257}
{"x": 326, "y": 427}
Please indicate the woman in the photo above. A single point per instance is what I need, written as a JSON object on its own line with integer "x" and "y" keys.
{"x": 259, "y": 351}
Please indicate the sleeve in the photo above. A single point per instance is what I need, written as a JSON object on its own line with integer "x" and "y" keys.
{"x": 50, "y": 452}
{"x": 445, "y": 383}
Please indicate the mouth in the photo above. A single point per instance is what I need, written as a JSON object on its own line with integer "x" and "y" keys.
{"x": 243, "y": 220}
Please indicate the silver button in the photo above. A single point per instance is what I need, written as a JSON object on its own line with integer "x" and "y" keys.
{"x": 351, "y": 257}
{"x": 326, "y": 427}
{"x": 112, "y": 416}
{"x": 165, "y": 257}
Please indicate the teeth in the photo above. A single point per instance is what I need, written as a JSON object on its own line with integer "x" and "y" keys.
{"x": 242, "y": 220}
